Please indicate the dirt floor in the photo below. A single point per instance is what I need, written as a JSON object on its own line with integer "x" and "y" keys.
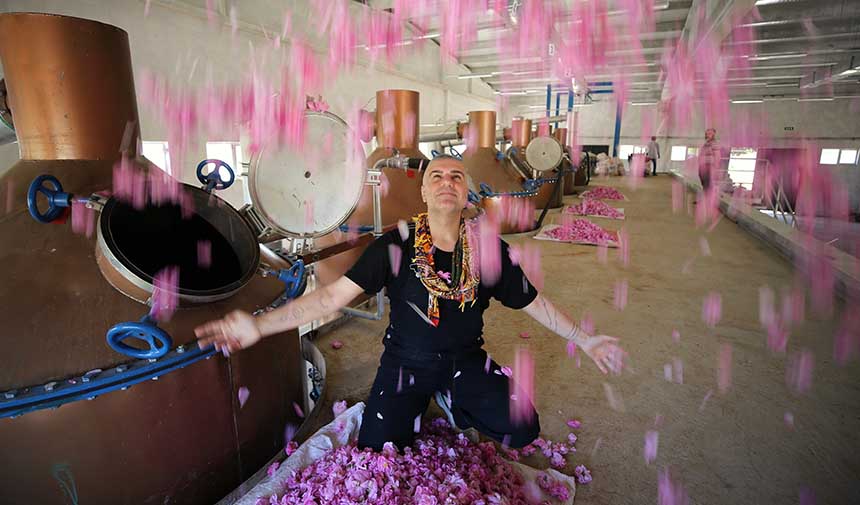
{"x": 738, "y": 448}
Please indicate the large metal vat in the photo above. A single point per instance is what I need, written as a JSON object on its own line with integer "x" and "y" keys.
{"x": 179, "y": 436}
{"x": 396, "y": 128}
{"x": 499, "y": 183}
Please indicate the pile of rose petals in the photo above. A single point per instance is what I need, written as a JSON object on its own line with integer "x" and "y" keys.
{"x": 580, "y": 231}
{"x": 603, "y": 193}
{"x": 590, "y": 207}
{"x": 440, "y": 467}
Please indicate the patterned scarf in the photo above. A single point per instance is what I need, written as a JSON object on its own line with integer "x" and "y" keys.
{"x": 464, "y": 275}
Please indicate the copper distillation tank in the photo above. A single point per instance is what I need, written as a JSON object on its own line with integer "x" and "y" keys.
{"x": 493, "y": 179}
{"x": 392, "y": 193}
{"x": 150, "y": 418}
{"x": 536, "y": 158}
{"x": 567, "y": 167}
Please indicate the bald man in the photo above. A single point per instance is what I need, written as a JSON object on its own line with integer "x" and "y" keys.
{"x": 433, "y": 343}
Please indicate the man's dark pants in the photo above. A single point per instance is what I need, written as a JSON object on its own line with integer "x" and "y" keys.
{"x": 406, "y": 380}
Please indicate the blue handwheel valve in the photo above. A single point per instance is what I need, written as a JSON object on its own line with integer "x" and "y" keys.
{"x": 292, "y": 278}
{"x": 213, "y": 179}
{"x": 147, "y": 330}
{"x": 57, "y": 199}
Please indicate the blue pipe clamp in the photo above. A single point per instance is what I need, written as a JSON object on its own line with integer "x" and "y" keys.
{"x": 213, "y": 179}
{"x": 57, "y": 199}
{"x": 147, "y": 330}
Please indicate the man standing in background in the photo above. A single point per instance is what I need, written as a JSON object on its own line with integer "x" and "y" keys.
{"x": 653, "y": 154}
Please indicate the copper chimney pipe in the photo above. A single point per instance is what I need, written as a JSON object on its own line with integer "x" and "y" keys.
{"x": 484, "y": 121}
{"x": 521, "y": 130}
{"x": 397, "y": 119}
{"x": 93, "y": 73}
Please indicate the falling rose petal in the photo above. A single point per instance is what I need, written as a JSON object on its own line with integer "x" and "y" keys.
{"x": 602, "y": 253}
{"x": 712, "y": 307}
{"x": 522, "y": 381}
{"x": 416, "y": 425}
{"x": 411, "y": 380}
{"x": 614, "y": 400}
{"x": 807, "y": 496}
{"x": 506, "y": 371}
{"x": 524, "y": 334}
{"x": 677, "y": 196}
{"x": 676, "y": 336}
{"x": 704, "y": 246}
{"x": 571, "y": 348}
{"x": 574, "y": 424}
{"x": 289, "y": 433}
{"x": 457, "y": 374}
{"x": 624, "y": 247}
{"x": 204, "y": 254}
{"x": 165, "y": 295}
{"x": 244, "y": 393}
{"x": 596, "y": 446}
{"x": 339, "y": 408}
{"x": 403, "y": 228}
{"x": 336, "y": 344}
{"x": 298, "y": 410}
{"x": 586, "y": 324}
{"x": 309, "y": 215}
{"x": 395, "y": 255}
{"x": 670, "y": 492}
{"x": 678, "y": 370}
{"x": 620, "y": 295}
{"x": 667, "y": 372}
{"x": 788, "y": 418}
{"x": 650, "y": 450}
{"x": 724, "y": 369}
{"x": 487, "y": 364}
{"x": 400, "y": 380}
{"x": 798, "y": 375}
{"x": 379, "y": 416}
{"x": 705, "y": 400}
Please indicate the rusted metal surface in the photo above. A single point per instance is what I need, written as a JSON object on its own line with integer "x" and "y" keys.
{"x": 180, "y": 439}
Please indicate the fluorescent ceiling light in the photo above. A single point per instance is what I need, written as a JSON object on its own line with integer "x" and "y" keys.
{"x": 747, "y": 101}
{"x": 822, "y": 99}
{"x": 474, "y": 76}
{"x": 776, "y": 56}
{"x": 768, "y": 2}
{"x": 643, "y": 103}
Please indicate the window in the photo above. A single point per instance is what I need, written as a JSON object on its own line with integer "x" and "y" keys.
{"x": 229, "y": 152}
{"x": 848, "y": 157}
{"x": 692, "y": 152}
{"x": 742, "y": 162}
{"x": 157, "y": 153}
{"x": 829, "y": 156}
{"x": 679, "y": 153}
{"x": 624, "y": 151}
{"x": 426, "y": 148}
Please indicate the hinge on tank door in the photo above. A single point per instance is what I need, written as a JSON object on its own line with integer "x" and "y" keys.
{"x": 96, "y": 202}
{"x": 260, "y": 228}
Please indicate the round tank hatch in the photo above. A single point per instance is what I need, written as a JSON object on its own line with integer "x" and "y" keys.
{"x": 544, "y": 153}
{"x": 310, "y": 192}
{"x": 215, "y": 250}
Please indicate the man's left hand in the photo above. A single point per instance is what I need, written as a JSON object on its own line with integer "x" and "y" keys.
{"x": 602, "y": 349}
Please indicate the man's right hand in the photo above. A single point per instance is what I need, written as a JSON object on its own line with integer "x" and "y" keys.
{"x": 237, "y": 330}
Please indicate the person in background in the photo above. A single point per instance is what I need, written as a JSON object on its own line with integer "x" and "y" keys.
{"x": 710, "y": 163}
{"x": 653, "y": 154}
{"x": 433, "y": 344}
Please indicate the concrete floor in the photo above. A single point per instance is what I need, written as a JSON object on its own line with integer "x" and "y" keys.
{"x": 739, "y": 448}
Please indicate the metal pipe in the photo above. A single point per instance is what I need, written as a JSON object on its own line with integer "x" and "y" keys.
{"x": 366, "y": 314}
{"x": 617, "y": 136}
{"x": 548, "y": 98}
{"x": 558, "y": 103}
{"x": 569, "y": 100}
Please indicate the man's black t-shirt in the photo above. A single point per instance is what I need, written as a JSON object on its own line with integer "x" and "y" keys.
{"x": 409, "y": 326}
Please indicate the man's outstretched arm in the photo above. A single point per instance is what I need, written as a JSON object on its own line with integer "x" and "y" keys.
{"x": 239, "y": 330}
{"x": 600, "y": 348}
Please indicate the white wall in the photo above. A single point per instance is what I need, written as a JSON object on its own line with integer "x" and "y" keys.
{"x": 815, "y": 124}
{"x": 177, "y": 34}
